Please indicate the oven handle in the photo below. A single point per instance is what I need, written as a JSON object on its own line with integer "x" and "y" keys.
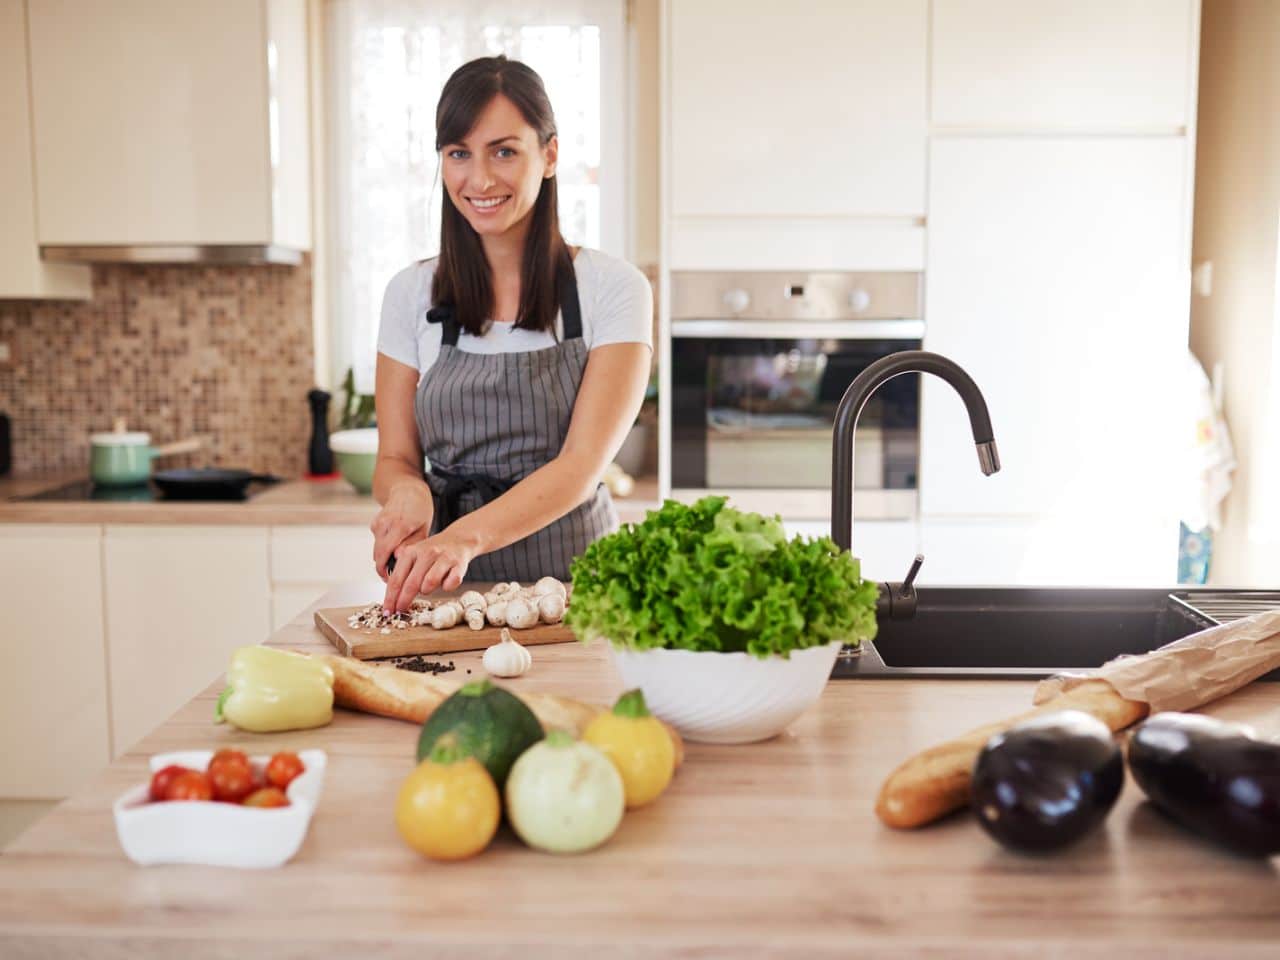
{"x": 799, "y": 329}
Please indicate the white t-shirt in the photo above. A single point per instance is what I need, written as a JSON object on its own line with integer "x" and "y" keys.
{"x": 616, "y": 302}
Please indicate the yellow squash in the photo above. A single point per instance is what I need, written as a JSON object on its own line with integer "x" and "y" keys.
{"x": 270, "y": 690}
{"x": 448, "y": 808}
{"x": 638, "y": 745}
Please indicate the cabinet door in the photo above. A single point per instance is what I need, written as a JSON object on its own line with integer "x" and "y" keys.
{"x": 1064, "y": 64}
{"x": 22, "y": 274}
{"x": 1058, "y": 278}
{"x": 180, "y": 600}
{"x": 151, "y": 122}
{"x": 308, "y": 561}
{"x": 53, "y": 689}
{"x": 1048, "y": 552}
{"x": 806, "y": 108}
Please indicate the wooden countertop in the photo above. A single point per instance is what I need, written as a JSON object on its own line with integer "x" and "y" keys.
{"x": 293, "y": 502}
{"x": 766, "y": 850}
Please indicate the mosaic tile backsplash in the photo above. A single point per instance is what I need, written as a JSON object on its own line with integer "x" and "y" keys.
{"x": 224, "y": 353}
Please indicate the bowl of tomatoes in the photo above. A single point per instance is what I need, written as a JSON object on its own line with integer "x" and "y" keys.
{"x": 223, "y": 808}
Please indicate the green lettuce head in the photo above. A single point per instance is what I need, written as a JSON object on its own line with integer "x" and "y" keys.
{"x": 708, "y": 577}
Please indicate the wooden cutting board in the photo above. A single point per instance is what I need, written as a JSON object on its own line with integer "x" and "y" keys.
{"x": 368, "y": 643}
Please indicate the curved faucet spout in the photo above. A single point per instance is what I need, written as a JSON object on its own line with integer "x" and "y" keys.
{"x": 855, "y": 398}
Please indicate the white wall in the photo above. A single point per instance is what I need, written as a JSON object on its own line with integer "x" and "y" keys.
{"x": 1237, "y": 215}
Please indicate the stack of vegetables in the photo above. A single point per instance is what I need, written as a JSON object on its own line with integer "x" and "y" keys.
{"x": 483, "y": 746}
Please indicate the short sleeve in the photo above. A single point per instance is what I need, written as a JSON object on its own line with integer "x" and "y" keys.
{"x": 398, "y": 327}
{"x": 623, "y": 305}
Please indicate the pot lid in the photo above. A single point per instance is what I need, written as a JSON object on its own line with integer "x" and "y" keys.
{"x": 120, "y": 439}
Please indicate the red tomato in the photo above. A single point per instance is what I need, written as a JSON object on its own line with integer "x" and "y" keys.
{"x": 267, "y": 797}
{"x": 231, "y": 780}
{"x": 227, "y": 754}
{"x": 189, "y": 785}
{"x": 161, "y": 779}
{"x": 283, "y": 768}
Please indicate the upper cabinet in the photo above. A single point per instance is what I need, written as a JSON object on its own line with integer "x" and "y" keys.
{"x": 1064, "y": 64}
{"x": 22, "y": 274}
{"x": 790, "y": 127}
{"x": 167, "y": 125}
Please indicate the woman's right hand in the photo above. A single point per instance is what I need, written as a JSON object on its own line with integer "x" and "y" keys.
{"x": 405, "y": 518}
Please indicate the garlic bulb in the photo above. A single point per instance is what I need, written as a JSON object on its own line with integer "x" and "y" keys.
{"x": 507, "y": 658}
{"x": 475, "y": 618}
{"x": 521, "y": 614}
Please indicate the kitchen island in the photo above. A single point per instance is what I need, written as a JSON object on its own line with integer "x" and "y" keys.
{"x": 767, "y": 849}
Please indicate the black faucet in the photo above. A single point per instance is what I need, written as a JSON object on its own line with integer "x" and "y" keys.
{"x": 851, "y": 404}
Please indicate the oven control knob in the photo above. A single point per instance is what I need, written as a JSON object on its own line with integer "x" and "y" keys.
{"x": 736, "y": 300}
{"x": 859, "y": 300}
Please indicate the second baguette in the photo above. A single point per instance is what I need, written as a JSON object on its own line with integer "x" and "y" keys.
{"x": 933, "y": 783}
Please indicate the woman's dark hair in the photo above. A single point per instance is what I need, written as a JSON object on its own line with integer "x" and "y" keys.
{"x": 462, "y": 274}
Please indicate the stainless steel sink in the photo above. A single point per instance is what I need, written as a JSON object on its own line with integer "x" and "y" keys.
{"x": 1014, "y": 633}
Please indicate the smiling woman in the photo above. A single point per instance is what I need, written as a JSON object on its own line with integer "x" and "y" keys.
{"x": 514, "y": 363}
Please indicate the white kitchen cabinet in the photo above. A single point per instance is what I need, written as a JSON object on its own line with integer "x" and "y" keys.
{"x": 53, "y": 689}
{"x": 1049, "y": 551}
{"x": 167, "y": 124}
{"x": 22, "y": 274}
{"x": 1064, "y": 64}
{"x": 179, "y": 600}
{"x": 815, "y": 107}
{"x": 1058, "y": 278}
{"x": 308, "y": 561}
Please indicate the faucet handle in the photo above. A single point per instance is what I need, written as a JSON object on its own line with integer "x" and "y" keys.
{"x": 897, "y": 601}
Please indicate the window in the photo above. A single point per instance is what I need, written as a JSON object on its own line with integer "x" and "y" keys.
{"x": 387, "y": 62}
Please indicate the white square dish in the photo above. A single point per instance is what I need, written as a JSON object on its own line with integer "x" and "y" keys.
{"x": 217, "y": 834}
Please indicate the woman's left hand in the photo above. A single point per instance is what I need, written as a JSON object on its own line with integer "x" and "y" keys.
{"x": 426, "y": 566}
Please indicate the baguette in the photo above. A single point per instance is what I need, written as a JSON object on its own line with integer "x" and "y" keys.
{"x": 405, "y": 695}
{"x": 935, "y": 782}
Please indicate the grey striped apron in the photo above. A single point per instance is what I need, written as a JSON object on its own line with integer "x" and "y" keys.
{"x": 487, "y": 421}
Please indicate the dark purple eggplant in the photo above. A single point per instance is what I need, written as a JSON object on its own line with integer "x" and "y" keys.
{"x": 1212, "y": 777}
{"x": 1047, "y": 782}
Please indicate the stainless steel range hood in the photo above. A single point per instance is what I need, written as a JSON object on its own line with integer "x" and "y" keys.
{"x": 225, "y": 253}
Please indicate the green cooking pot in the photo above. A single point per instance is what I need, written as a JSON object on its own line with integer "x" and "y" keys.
{"x": 123, "y": 459}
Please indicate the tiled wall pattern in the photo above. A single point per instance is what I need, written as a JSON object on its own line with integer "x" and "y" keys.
{"x": 222, "y": 352}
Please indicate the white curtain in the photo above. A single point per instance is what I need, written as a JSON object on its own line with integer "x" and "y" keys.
{"x": 387, "y": 62}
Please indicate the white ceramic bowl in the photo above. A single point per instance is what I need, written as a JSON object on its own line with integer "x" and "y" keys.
{"x": 217, "y": 834}
{"x": 727, "y": 697}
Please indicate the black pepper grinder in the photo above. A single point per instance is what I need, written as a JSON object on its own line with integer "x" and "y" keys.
{"x": 319, "y": 456}
{"x": 5, "y": 445}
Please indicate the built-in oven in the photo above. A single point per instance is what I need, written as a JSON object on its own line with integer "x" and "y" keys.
{"x": 759, "y": 362}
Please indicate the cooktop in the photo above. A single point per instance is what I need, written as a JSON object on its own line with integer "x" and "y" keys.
{"x": 82, "y": 491}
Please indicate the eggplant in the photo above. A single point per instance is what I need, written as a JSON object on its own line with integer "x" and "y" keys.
{"x": 1048, "y": 781}
{"x": 1214, "y": 778}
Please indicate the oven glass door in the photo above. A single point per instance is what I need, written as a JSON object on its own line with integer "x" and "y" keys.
{"x": 759, "y": 414}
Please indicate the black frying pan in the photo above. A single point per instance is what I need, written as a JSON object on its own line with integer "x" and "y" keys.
{"x": 207, "y": 483}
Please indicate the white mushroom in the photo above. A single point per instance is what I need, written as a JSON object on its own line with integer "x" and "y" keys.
{"x": 472, "y": 598}
{"x": 475, "y": 618}
{"x": 500, "y": 588}
{"x": 521, "y": 614}
{"x": 496, "y": 613}
{"x": 551, "y": 608}
{"x": 445, "y": 616}
{"x": 547, "y": 586}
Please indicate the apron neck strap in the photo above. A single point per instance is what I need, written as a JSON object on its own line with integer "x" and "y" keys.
{"x": 570, "y": 309}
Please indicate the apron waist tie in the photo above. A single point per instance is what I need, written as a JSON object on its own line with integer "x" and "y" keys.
{"x": 449, "y": 498}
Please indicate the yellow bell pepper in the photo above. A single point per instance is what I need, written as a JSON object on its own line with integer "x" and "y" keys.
{"x": 638, "y": 745}
{"x": 270, "y": 690}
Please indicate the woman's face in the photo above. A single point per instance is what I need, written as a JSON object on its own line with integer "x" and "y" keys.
{"x": 494, "y": 174}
